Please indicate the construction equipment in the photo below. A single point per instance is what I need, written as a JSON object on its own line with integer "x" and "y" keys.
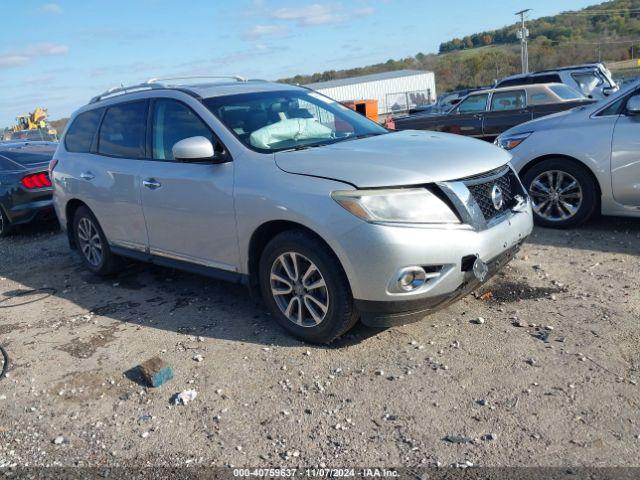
{"x": 36, "y": 120}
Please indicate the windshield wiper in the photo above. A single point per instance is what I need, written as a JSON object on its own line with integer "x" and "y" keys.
{"x": 304, "y": 147}
{"x": 358, "y": 137}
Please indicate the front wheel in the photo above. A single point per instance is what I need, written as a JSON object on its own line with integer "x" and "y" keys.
{"x": 563, "y": 194}
{"x": 305, "y": 287}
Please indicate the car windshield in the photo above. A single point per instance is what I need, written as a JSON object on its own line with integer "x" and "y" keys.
{"x": 290, "y": 119}
{"x": 566, "y": 93}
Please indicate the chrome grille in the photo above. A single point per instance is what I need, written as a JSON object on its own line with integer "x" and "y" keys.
{"x": 481, "y": 188}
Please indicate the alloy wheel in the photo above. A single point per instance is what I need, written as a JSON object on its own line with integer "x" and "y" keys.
{"x": 555, "y": 195}
{"x": 299, "y": 289}
{"x": 90, "y": 243}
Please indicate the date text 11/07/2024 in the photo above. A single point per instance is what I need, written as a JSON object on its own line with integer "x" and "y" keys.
{"x": 316, "y": 472}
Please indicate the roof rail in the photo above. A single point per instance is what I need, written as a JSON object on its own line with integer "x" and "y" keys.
{"x": 122, "y": 90}
{"x": 200, "y": 77}
{"x": 154, "y": 83}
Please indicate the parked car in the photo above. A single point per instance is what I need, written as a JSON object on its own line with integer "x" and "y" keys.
{"x": 592, "y": 79}
{"x": 581, "y": 162}
{"x": 329, "y": 215}
{"x": 25, "y": 187}
{"x": 445, "y": 102}
{"x": 487, "y": 113}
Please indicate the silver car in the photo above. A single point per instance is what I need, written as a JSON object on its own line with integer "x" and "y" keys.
{"x": 584, "y": 161}
{"x": 328, "y": 215}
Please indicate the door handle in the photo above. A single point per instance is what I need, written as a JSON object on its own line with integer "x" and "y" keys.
{"x": 151, "y": 183}
{"x": 87, "y": 176}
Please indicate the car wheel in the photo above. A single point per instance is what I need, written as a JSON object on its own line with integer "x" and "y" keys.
{"x": 5, "y": 225}
{"x": 563, "y": 194}
{"x": 306, "y": 288}
{"x": 92, "y": 244}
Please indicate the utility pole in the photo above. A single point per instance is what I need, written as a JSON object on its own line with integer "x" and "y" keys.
{"x": 523, "y": 34}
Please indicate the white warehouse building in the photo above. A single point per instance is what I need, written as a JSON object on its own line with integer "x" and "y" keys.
{"x": 396, "y": 91}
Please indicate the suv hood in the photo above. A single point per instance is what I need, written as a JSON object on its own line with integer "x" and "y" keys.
{"x": 396, "y": 159}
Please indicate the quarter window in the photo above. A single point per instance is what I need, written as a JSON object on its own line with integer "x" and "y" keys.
{"x": 123, "y": 130}
{"x": 513, "y": 100}
{"x": 173, "y": 121}
{"x": 80, "y": 135}
{"x": 474, "y": 103}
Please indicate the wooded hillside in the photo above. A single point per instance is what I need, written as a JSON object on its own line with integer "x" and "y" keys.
{"x": 609, "y": 31}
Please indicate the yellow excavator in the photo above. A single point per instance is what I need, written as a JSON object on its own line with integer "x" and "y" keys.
{"x": 33, "y": 126}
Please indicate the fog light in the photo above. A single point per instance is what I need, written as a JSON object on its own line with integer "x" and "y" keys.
{"x": 411, "y": 278}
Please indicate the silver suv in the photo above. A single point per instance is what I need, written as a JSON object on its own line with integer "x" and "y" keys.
{"x": 327, "y": 214}
{"x": 594, "y": 80}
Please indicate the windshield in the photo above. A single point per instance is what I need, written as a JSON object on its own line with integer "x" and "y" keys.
{"x": 566, "y": 93}
{"x": 274, "y": 121}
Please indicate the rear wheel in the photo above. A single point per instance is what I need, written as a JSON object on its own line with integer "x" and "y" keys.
{"x": 92, "y": 243}
{"x": 563, "y": 194}
{"x": 5, "y": 225}
{"x": 305, "y": 287}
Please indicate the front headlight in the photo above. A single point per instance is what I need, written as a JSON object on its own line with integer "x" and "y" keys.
{"x": 402, "y": 205}
{"x": 509, "y": 142}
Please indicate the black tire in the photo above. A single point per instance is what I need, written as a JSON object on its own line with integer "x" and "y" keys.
{"x": 590, "y": 197}
{"x": 109, "y": 263}
{"x": 5, "y": 225}
{"x": 340, "y": 315}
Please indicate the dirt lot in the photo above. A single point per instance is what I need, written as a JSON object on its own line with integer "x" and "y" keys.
{"x": 548, "y": 379}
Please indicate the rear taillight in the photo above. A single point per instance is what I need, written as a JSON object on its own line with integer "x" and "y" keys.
{"x": 52, "y": 165}
{"x": 36, "y": 180}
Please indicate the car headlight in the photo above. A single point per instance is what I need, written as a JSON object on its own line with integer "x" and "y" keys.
{"x": 509, "y": 142}
{"x": 402, "y": 205}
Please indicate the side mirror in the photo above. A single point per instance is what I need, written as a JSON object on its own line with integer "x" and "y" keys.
{"x": 196, "y": 149}
{"x": 633, "y": 105}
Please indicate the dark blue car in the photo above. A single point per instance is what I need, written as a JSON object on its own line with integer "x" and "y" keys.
{"x": 25, "y": 186}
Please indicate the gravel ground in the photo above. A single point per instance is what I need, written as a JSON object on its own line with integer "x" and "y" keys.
{"x": 549, "y": 378}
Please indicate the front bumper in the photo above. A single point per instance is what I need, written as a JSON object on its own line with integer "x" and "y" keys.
{"x": 388, "y": 314}
{"x": 375, "y": 253}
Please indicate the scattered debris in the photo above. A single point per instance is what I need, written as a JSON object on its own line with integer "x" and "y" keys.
{"x": 155, "y": 371}
{"x": 58, "y": 440}
{"x": 184, "y": 397}
{"x": 198, "y": 358}
{"x": 457, "y": 439}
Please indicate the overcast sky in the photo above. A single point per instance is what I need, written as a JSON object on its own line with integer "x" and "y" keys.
{"x": 59, "y": 54}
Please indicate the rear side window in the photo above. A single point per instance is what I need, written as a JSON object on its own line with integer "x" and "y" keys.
{"x": 81, "y": 132}
{"x": 172, "y": 122}
{"x": 123, "y": 130}
{"x": 508, "y": 100}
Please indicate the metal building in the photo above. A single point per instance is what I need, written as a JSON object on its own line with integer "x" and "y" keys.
{"x": 395, "y": 91}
